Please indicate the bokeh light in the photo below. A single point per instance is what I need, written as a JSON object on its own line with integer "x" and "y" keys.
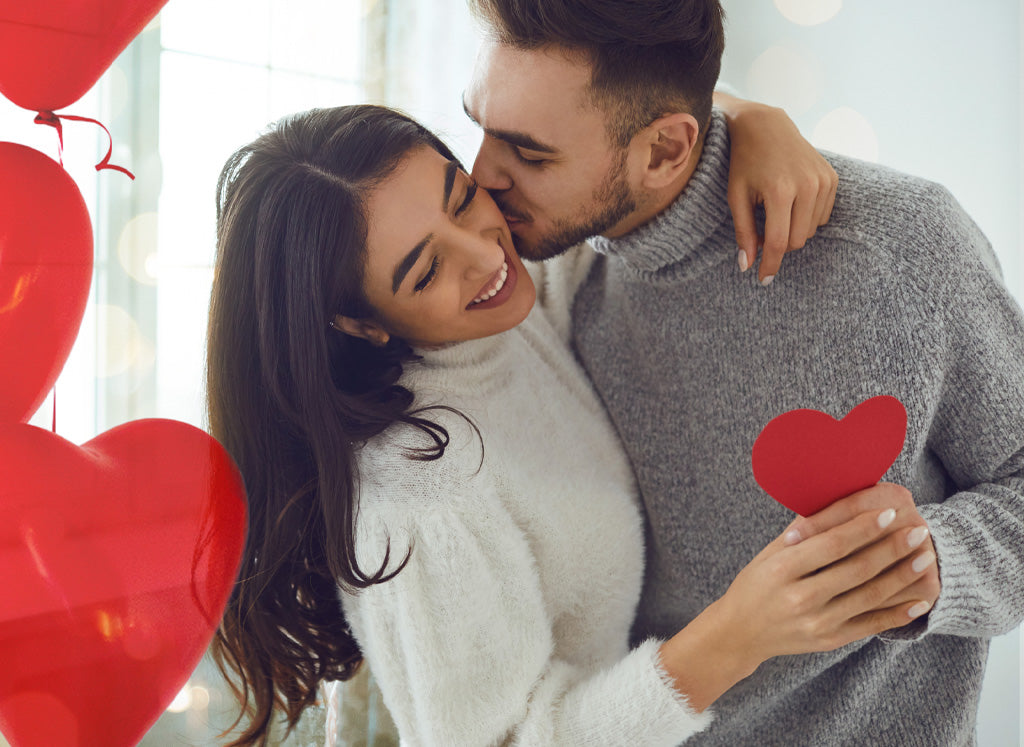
{"x": 783, "y": 76}
{"x": 200, "y": 698}
{"x": 182, "y": 701}
{"x": 847, "y": 131}
{"x": 137, "y": 248}
{"x": 808, "y": 12}
{"x": 126, "y": 346}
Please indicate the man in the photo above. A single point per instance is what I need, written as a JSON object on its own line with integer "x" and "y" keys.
{"x": 597, "y": 122}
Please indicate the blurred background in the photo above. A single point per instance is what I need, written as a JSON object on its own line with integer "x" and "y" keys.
{"x": 931, "y": 87}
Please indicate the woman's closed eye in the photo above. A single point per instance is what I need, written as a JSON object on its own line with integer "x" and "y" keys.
{"x": 467, "y": 200}
{"x": 429, "y": 277}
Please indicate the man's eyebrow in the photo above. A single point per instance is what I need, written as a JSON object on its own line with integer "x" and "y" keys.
{"x": 410, "y": 259}
{"x": 512, "y": 137}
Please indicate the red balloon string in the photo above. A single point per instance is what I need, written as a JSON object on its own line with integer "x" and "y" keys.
{"x": 53, "y": 120}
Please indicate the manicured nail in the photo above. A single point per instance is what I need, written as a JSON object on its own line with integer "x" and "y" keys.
{"x": 767, "y": 281}
{"x": 922, "y": 561}
{"x": 791, "y": 537}
{"x": 918, "y": 609}
{"x": 742, "y": 259}
{"x": 917, "y": 536}
{"x": 886, "y": 518}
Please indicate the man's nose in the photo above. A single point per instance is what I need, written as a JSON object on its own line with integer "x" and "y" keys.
{"x": 487, "y": 170}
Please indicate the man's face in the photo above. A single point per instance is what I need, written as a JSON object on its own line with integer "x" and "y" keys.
{"x": 546, "y": 157}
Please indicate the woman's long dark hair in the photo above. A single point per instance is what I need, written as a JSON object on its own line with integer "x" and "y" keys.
{"x": 291, "y": 398}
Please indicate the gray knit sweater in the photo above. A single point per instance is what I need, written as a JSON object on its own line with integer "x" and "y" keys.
{"x": 899, "y": 294}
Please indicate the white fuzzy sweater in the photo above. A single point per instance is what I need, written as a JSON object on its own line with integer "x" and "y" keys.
{"x": 510, "y": 623}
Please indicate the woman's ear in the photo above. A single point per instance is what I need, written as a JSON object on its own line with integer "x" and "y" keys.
{"x": 669, "y": 142}
{"x": 362, "y": 328}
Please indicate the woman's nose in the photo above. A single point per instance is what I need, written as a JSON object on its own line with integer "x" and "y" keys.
{"x": 482, "y": 253}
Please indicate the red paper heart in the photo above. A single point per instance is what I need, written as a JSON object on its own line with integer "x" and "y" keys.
{"x": 45, "y": 272}
{"x": 806, "y": 459}
{"x": 117, "y": 558}
{"x": 54, "y": 51}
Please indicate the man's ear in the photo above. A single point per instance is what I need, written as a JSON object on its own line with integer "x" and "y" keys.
{"x": 362, "y": 328}
{"x": 669, "y": 143}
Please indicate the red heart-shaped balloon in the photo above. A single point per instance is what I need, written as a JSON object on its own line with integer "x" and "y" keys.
{"x": 54, "y": 51}
{"x": 45, "y": 272}
{"x": 806, "y": 459}
{"x": 117, "y": 558}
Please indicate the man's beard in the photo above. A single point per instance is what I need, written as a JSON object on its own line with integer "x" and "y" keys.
{"x": 613, "y": 201}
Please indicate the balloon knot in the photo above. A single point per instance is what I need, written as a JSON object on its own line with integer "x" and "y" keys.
{"x": 47, "y": 118}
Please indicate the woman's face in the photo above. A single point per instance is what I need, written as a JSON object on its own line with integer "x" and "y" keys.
{"x": 440, "y": 265}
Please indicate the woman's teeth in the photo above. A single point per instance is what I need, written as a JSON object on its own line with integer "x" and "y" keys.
{"x": 497, "y": 286}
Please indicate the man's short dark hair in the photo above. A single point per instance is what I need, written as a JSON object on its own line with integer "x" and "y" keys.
{"x": 649, "y": 57}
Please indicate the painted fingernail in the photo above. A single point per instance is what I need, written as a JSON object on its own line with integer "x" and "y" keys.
{"x": 886, "y": 518}
{"x": 744, "y": 262}
{"x": 791, "y": 537}
{"x": 917, "y": 536}
{"x": 767, "y": 281}
{"x": 918, "y": 609}
{"x": 922, "y": 561}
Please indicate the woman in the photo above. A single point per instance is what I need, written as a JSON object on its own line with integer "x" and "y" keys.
{"x": 412, "y": 430}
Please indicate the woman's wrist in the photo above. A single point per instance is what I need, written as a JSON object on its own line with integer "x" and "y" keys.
{"x": 736, "y": 109}
{"x": 707, "y": 657}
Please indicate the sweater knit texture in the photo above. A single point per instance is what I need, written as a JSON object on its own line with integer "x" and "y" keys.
{"x": 510, "y": 624}
{"x": 898, "y": 294}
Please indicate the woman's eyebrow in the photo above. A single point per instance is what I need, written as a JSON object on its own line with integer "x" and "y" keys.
{"x": 449, "y": 183}
{"x": 409, "y": 260}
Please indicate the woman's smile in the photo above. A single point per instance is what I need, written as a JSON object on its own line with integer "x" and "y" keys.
{"x": 498, "y": 289}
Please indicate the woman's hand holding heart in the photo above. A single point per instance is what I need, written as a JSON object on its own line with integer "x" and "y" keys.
{"x": 850, "y": 574}
{"x": 908, "y": 522}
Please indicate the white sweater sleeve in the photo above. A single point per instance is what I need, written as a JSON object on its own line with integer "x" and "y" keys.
{"x": 461, "y": 643}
